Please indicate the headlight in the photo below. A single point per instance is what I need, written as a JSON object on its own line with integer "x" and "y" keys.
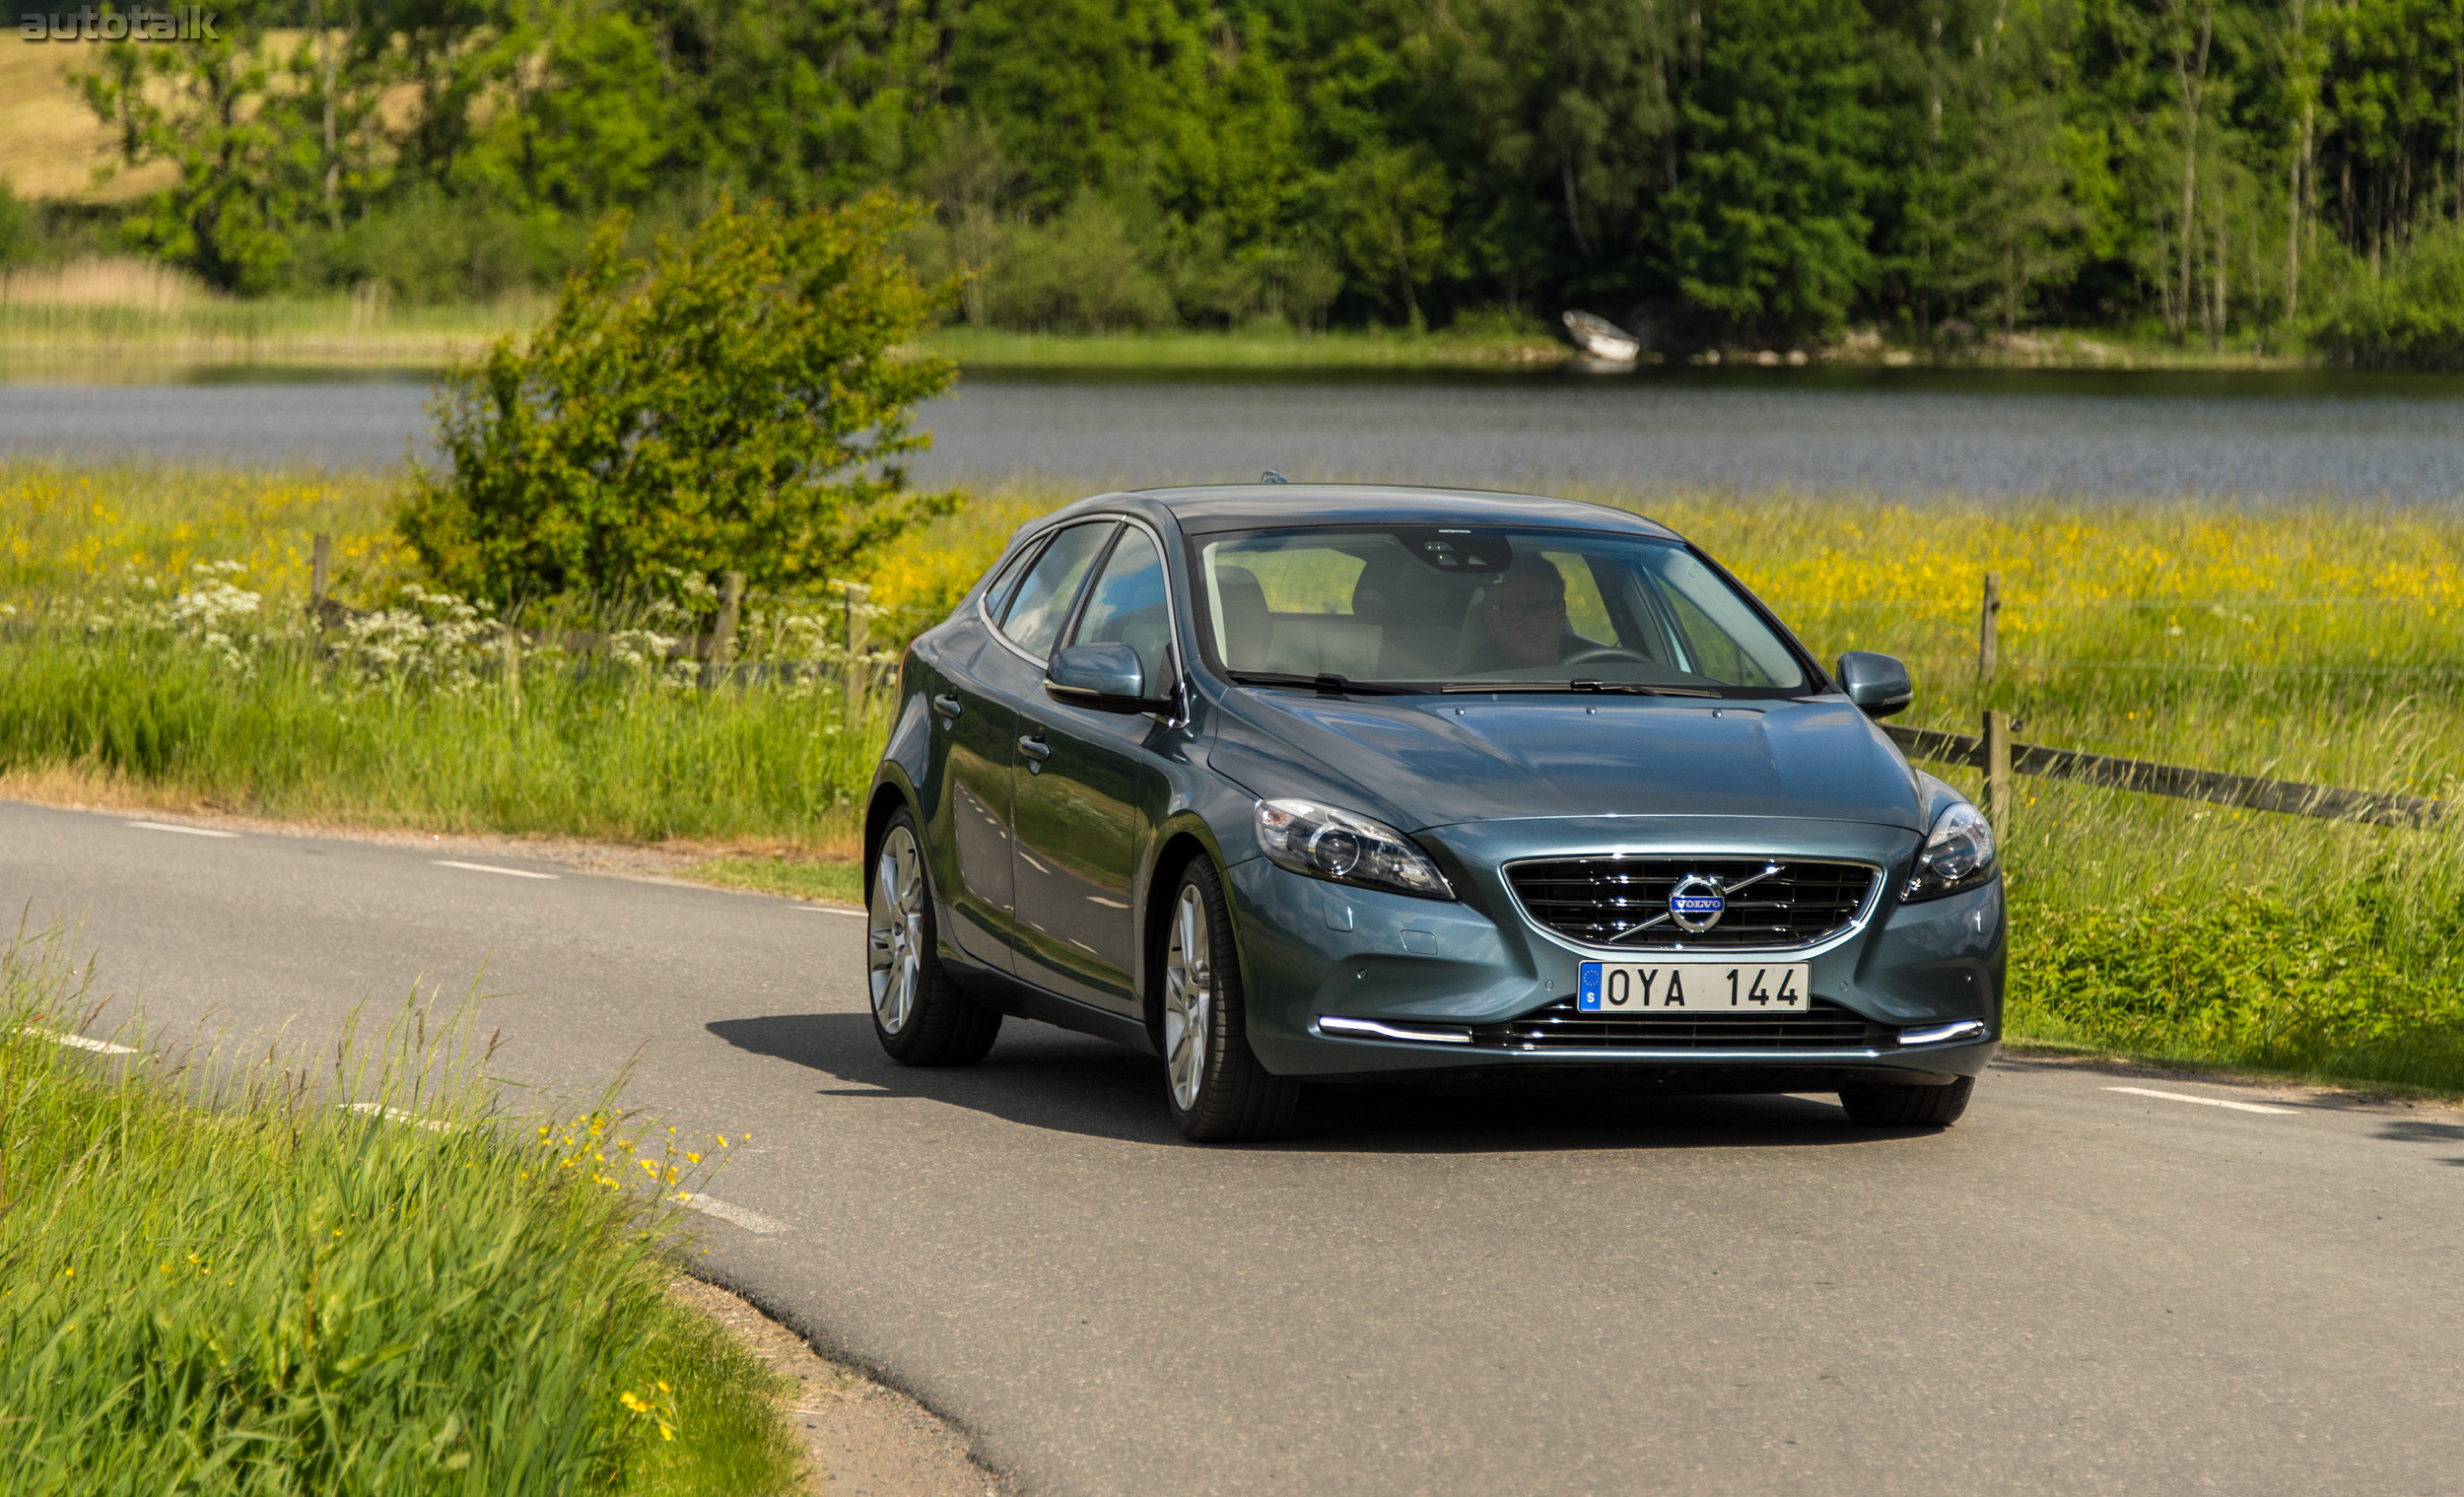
{"x": 1958, "y": 853}
{"x": 1324, "y": 842}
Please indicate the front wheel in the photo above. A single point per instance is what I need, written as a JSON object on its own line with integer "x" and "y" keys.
{"x": 919, "y": 1014}
{"x": 1218, "y": 1092}
{"x": 1907, "y": 1107}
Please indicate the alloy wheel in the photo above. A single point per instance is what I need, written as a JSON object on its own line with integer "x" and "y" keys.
{"x": 895, "y": 937}
{"x": 1188, "y": 996}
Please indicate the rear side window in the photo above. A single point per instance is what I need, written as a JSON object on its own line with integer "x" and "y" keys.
{"x": 1051, "y": 586}
{"x": 1005, "y": 582}
{"x": 1128, "y": 605}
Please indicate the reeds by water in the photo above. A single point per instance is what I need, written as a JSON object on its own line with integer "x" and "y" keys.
{"x": 133, "y": 312}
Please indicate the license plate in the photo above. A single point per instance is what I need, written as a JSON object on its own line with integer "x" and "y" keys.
{"x": 1703, "y": 988}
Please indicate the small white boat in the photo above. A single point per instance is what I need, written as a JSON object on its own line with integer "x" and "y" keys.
{"x": 1601, "y": 338}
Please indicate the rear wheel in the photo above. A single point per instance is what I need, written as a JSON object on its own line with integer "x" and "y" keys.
{"x": 1907, "y": 1107}
{"x": 919, "y": 1014}
{"x": 1218, "y": 1092}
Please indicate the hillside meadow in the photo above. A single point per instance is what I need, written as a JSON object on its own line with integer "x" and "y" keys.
{"x": 156, "y": 652}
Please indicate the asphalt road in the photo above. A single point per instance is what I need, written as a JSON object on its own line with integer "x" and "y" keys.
{"x": 2078, "y": 1289}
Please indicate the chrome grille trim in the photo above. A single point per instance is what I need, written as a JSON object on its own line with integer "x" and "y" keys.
{"x": 1615, "y": 902}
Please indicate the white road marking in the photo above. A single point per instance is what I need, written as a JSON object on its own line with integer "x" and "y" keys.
{"x": 79, "y": 1042}
{"x": 397, "y": 1114}
{"x": 168, "y": 826}
{"x": 2238, "y": 1107}
{"x": 834, "y": 909}
{"x": 446, "y": 862}
{"x": 750, "y": 1221}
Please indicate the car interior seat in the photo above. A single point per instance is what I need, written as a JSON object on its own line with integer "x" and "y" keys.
{"x": 1420, "y": 609}
{"x": 1246, "y": 628}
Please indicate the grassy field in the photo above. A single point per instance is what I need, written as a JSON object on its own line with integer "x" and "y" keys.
{"x": 227, "y": 1278}
{"x": 2319, "y": 644}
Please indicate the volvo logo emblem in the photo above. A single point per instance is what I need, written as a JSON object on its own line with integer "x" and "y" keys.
{"x": 1697, "y": 903}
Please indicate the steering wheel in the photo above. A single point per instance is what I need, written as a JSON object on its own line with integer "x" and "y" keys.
{"x": 1606, "y": 653}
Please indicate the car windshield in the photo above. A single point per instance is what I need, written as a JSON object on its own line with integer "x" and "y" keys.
{"x": 1454, "y": 608}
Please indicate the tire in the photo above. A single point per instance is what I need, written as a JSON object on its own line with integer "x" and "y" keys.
{"x": 919, "y": 1014}
{"x": 1218, "y": 1091}
{"x": 1907, "y": 1107}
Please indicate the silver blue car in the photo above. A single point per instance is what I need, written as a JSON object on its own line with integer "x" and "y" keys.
{"x": 1295, "y": 784}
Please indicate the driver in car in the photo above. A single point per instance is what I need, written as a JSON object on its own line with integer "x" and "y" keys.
{"x": 1526, "y": 615}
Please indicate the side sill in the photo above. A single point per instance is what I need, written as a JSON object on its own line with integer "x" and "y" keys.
{"x": 1025, "y": 1000}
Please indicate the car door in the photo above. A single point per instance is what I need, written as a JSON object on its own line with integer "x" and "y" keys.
{"x": 979, "y": 713}
{"x": 1084, "y": 785}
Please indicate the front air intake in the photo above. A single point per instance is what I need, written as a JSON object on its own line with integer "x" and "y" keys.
{"x": 1560, "y": 1027}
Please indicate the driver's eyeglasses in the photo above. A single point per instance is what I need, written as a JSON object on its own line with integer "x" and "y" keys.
{"x": 1517, "y": 613}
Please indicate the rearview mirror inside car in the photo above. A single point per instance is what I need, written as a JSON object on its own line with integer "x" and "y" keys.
{"x": 1877, "y": 684}
{"x": 1107, "y": 677}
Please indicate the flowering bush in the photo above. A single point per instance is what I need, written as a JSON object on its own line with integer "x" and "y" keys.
{"x": 432, "y": 638}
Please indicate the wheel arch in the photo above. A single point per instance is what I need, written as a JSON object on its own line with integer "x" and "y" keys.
{"x": 1184, "y": 842}
{"x": 889, "y": 796}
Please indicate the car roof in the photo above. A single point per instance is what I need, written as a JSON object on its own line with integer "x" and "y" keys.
{"x": 1205, "y": 508}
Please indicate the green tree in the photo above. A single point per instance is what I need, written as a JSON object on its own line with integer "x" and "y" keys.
{"x": 1768, "y": 231}
{"x": 1390, "y": 216}
{"x": 2017, "y": 228}
{"x": 735, "y": 403}
{"x": 245, "y": 168}
{"x": 590, "y": 127}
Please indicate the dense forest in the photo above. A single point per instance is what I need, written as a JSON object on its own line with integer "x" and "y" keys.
{"x": 1757, "y": 173}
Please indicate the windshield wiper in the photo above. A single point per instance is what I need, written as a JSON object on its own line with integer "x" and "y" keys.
{"x": 1618, "y": 688}
{"x": 1325, "y": 683}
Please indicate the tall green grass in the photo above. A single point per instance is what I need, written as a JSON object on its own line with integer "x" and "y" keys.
{"x": 582, "y": 748}
{"x": 2317, "y": 642}
{"x": 242, "y": 1278}
{"x": 2320, "y": 642}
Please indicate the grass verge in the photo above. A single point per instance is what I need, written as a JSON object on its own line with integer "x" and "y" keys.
{"x": 249, "y": 1279}
{"x": 832, "y": 880}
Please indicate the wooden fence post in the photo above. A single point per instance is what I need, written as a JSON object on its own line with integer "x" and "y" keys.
{"x": 722, "y": 643}
{"x": 1996, "y": 748}
{"x": 320, "y": 565}
{"x": 858, "y": 642}
{"x": 1989, "y": 626}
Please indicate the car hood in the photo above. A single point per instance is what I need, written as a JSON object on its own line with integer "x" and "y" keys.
{"x": 1434, "y": 761}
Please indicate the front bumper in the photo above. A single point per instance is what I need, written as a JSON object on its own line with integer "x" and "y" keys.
{"x": 1403, "y": 978}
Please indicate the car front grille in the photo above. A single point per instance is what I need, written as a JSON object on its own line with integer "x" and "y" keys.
{"x": 1622, "y": 900}
{"x": 1824, "y": 1024}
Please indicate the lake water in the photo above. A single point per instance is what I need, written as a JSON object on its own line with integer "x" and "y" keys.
{"x": 1907, "y": 433}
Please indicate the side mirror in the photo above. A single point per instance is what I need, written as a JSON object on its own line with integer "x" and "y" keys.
{"x": 1105, "y": 677}
{"x": 1877, "y": 684}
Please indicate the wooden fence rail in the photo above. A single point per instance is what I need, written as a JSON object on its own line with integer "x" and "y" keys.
{"x": 2329, "y": 802}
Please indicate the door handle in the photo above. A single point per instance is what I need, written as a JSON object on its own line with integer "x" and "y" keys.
{"x": 950, "y": 705}
{"x": 1037, "y": 751}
